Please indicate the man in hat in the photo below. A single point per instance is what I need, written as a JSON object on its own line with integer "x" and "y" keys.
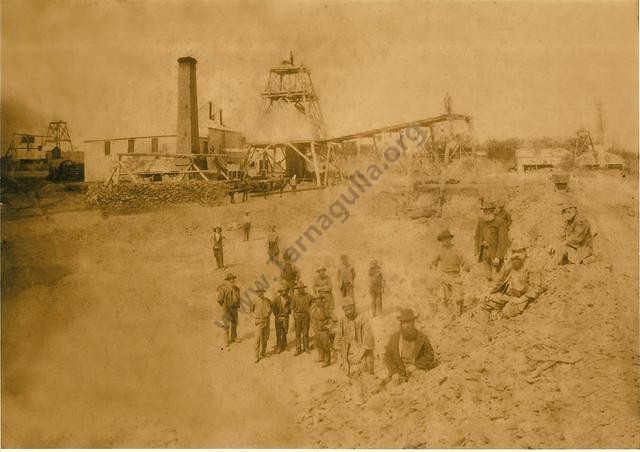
{"x": 354, "y": 340}
{"x": 408, "y": 349}
{"x": 321, "y": 324}
{"x": 517, "y": 286}
{"x": 502, "y": 214}
{"x": 246, "y": 225}
{"x": 376, "y": 287}
{"x": 281, "y": 310}
{"x": 491, "y": 240}
{"x": 262, "y": 311}
{"x": 216, "y": 243}
{"x": 346, "y": 276}
{"x": 450, "y": 263}
{"x": 300, "y": 306}
{"x": 577, "y": 245}
{"x": 273, "y": 243}
{"x": 229, "y": 301}
{"x": 322, "y": 286}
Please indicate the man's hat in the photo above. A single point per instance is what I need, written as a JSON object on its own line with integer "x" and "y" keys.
{"x": 300, "y": 285}
{"x": 230, "y": 276}
{"x": 261, "y": 290}
{"x": 488, "y": 205}
{"x": 407, "y": 315}
{"x": 518, "y": 246}
{"x": 344, "y": 256}
{"x": 374, "y": 263}
{"x": 321, "y": 269}
{"x": 446, "y": 234}
{"x": 347, "y": 301}
{"x": 568, "y": 205}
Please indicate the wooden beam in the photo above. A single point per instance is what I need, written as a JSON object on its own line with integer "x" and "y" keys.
{"x": 315, "y": 164}
{"x": 300, "y": 153}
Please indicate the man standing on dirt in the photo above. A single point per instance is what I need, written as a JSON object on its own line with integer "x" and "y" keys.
{"x": 229, "y": 301}
{"x": 322, "y": 286}
{"x": 450, "y": 263}
{"x": 346, "y": 277}
{"x": 491, "y": 240}
{"x": 246, "y": 225}
{"x": 301, "y": 305}
{"x": 577, "y": 247}
{"x": 281, "y": 310}
{"x": 216, "y": 243}
{"x": 273, "y": 244}
{"x": 408, "y": 350}
{"x": 376, "y": 287}
{"x": 354, "y": 340}
{"x": 321, "y": 324}
{"x": 262, "y": 311}
{"x": 290, "y": 274}
{"x": 517, "y": 287}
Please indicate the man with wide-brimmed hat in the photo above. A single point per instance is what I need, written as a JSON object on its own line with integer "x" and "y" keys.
{"x": 408, "y": 349}
{"x": 346, "y": 276}
{"x": 300, "y": 306}
{"x": 321, "y": 322}
{"x": 517, "y": 286}
{"x": 322, "y": 286}
{"x": 273, "y": 248}
{"x": 216, "y": 244}
{"x": 376, "y": 287}
{"x": 262, "y": 310}
{"x": 491, "y": 240}
{"x": 354, "y": 340}
{"x": 449, "y": 262}
{"x": 281, "y": 310}
{"x": 577, "y": 246}
{"x": 229, "y": 301}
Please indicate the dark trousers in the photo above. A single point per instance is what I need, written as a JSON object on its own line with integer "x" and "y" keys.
{"x": 246, "y": 229}
{"x": 376, "y": 301}
{"x": 322, "y": 342}
{"x": 302, "y": 330}
{"x": 282, "y": 327}
{"x": 219, "y": 255}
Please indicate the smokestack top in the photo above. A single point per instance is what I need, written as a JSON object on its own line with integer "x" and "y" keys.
{"x": 187, "y": 60}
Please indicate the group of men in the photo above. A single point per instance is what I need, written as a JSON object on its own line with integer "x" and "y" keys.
{"x": 350, "y": 336}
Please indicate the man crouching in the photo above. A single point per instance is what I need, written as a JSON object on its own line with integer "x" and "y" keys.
{"x": 407, "y": 350}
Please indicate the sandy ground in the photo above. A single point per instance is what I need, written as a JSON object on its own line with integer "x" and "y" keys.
{"x": 108, "y": 336}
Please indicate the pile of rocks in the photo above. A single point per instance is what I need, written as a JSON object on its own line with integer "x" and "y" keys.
{"x": 138, "y": 195}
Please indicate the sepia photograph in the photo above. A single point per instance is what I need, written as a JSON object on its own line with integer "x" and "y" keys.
{"x": 305, "y": 224}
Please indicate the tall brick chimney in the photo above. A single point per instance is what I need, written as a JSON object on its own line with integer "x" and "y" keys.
{"x": 187, "y": 140}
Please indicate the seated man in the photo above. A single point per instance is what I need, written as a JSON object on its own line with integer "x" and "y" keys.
{"x": 517, "y": 286}
{"x": 408, "y": 349}
{"x": 577, "y": 244}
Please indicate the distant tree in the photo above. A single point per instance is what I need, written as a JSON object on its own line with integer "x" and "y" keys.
{"x": 503, "y": 150}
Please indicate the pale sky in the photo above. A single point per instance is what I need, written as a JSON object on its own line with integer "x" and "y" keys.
{"x": 520, "y": 69}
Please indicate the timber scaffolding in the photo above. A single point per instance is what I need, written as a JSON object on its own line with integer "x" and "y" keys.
{"x": 446, "y": 139}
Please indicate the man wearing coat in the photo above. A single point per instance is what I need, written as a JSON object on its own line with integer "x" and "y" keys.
{"x": 408, "y": 349}
{"x": 281, "y": 310}
{"x": 577, "y": 244}
{"x": 229, "y": 301}
{"x": 346, "y": 277}
{"x": 262, "y": 310}
{"x": 491, "y": 240}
